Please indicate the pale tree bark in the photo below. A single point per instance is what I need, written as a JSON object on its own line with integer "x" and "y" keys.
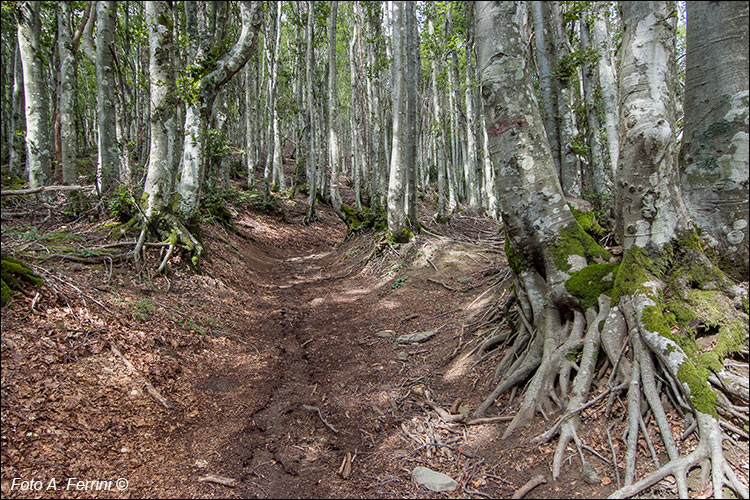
{"x": 198, "y": 111}
{"x": 650, "y": 210}
{"x": 311, "y": 216}
{"x": 278, "y": 161}
{"x": 334, "y": 127}
{"x": 714, "y": 153}
{"x": 107, "y": 172}
{"x": 251, "y": 146}
{"x": 38, "y": 151}
{"x": 545, "y": 57}
{"x": 396, "y": 183}
{"x": 438, "y": 128}
{"x": 67, "y": 88}
{"x": 570, "y": 167}
{"x": 556, "y": 264}
{"x": 17, "y": 125}
{"x": 163, "y": 99}
{"x": 473, "y": 197}
{"x": 411, "y": 131}
{"x": 599, "y": 178}
{"x": 354, "y": 118}
{"x": 607, "y": 80}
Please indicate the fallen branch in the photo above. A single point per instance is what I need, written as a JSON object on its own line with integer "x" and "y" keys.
{"x": 441, "y": 283}
{"x": 316, "y": 409}
{"x": 150, "y": 388}
{"x": 213, "y": 478}
{"x": 530, "y": 485}
{"x": 21, "y": 192}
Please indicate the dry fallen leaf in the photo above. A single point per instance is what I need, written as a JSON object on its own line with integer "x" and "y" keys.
{"x": 606, "y": 480}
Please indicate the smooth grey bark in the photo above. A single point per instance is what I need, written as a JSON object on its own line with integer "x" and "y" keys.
{"x": 354, "y": 109}
{"x": 107, "y": 171}
{"x": 649, "y": 208}
{"x": 599, "y": 178}
{"x": 531, "y": 200}
{"x": 198, "y": 112}
{"x": 311, "y": 216}
{"x": 334, "y": 126}
{"x": 570, "y": 166}
{"x": 608, "y": 81}
{"x": 251, "y": 147}
{"x": 17, "y": 123}
{"x": 714, "y": 153}
{"x": 438, "y": 132}
{"x": 38, "y": 151}
{"x": 545, "y": 57}
{"x": 411, "y": 132}
{"x": 66, "y": 102}
{"x": 397, "y": 176}
{"x": 278, "y": 161}
{"x": 163, "y": 100}
{"x": 473, "y": 197}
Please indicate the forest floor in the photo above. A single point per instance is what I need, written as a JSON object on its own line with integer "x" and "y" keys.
{"x": 278, "y": 368}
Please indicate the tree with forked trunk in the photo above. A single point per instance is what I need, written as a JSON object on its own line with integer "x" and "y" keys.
{"x": 575, "y": 300}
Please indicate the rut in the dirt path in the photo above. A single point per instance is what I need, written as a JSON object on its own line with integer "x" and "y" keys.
{"x": 268, "y": 449}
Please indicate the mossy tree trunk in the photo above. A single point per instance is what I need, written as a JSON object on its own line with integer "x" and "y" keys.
{"x": 573, "y": 301}
{"x": 714, "y": 153}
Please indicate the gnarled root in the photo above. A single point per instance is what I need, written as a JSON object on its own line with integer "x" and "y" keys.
{"x": 643, "y": 362}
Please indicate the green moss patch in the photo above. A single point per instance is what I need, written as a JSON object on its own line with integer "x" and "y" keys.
{"x": 588, "y": 222}
{"x": 591, "y": 282}
{"x": 516, "y": 261}
{"x": 574, "y": 241}
{"x": 13, "y": 272}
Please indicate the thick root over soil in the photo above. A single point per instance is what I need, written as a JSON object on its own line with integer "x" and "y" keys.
{"x": 653, "y": 359}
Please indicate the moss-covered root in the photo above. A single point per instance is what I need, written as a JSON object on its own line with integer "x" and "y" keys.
{"x": 710, "y": 447}
{"x": 13, "y": 273}
{"x": 690, "y": 370}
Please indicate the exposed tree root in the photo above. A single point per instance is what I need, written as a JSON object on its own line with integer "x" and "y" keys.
{"x": 555, "y": 348}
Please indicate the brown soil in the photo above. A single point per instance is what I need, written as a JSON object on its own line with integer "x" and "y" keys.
{"x": 283, "y": 318}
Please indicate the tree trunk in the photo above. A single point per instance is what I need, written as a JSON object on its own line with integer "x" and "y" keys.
{"x": 38, "y": 152}
{"x": 547, "y": 82}
{"x": 600, "y": 181}
{"x": 311, "y": 216}
{"x": 411, "y": 131}
{"x": 608, "y": 81}
{"x": 567, "y": 74}
{"x": 439, "y": 137}
{"x": 714, "y": 153}
{"x": 17, "y": 125}
{"x": 278, "y": 160}
{"x": 67, "y": 89}
{"x": 197, "y": 113}
{"x": 472, "y": 184}
{"x": 107, "y": 173}
{"x": 396, "y": 183}
{"x": 334, "y": 126}
{"x": 163, "y": 97}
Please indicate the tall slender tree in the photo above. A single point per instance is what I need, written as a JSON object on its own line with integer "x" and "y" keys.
{"x": 38, "y": 150}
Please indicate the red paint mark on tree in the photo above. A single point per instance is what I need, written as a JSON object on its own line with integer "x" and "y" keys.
{"x": 502, "y": 126}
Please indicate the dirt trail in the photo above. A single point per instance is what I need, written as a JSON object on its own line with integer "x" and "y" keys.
{"x": 281, "y": 361}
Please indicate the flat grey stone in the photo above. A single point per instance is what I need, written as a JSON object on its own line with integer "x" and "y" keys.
{"x": 589, "y": 474}
{"x": 433, "y": 481}
{"x": 465, "y": 279}
{"x": 385, "y": 333}
{"x": 413, "y": 338}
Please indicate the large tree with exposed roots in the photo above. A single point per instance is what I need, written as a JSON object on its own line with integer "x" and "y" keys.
{"x": 575, "y": 300}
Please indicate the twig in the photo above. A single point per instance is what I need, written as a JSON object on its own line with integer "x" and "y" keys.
{"x": 614, "y": 455}
{"x": 530, "y": 485}
{"x": 150, "y": 388}
{"x": 213, "y": 478}
{"x": 433, "y": 265}
{"x": 316, "y": 409}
